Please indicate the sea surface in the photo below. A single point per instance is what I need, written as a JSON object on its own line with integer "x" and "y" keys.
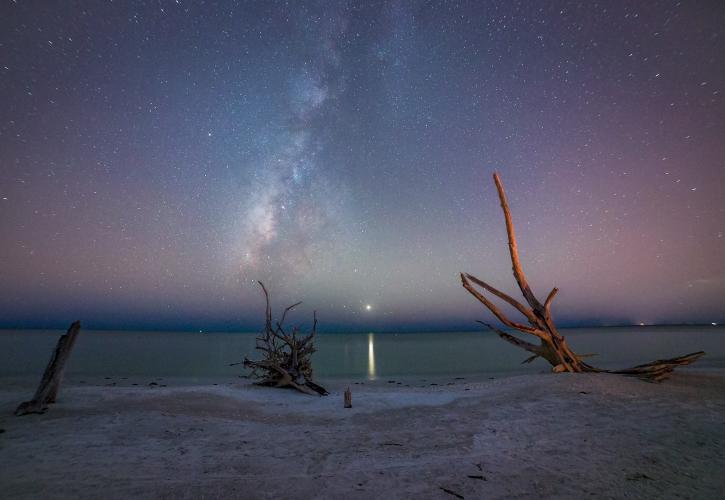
{"x": 356, "y": 356}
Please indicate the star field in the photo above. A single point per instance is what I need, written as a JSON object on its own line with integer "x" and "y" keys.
{"x": 156, "y": 158}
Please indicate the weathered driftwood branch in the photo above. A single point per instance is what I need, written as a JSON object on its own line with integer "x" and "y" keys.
{"x": 52, "y": 377}
{"x": 660, "y": 369}
{"x": 287, "y": 356}
{"x": 552, "y": 345}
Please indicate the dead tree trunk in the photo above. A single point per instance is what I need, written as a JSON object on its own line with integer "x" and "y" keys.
{"x": 552, "y": 346}
{"x": 287, "y": 357}
{"x": 52, "y": 377}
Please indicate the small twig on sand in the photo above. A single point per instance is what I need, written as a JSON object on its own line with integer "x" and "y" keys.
{"x": 451, "y": 492}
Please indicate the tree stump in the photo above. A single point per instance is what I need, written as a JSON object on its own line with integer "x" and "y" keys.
{"x": 52, "y": 377}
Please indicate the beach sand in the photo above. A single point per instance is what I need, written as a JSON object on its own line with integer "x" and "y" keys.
{"x": 533, "y": 436}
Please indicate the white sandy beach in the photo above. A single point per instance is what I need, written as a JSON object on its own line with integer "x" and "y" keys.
{"x": 563, "y": 436}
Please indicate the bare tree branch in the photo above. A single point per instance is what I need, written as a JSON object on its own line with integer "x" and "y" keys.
{"x": 514, "y": 340}
{"x": 287, "y": 357}
{"x": 549, "y": 298}
{"x": 516, "y": 304}
{"x": 496, "y": 311}
{"x": 513, "y": 248}
{"x": 554, "y": 347}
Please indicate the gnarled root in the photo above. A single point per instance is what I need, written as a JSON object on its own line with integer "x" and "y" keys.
{"x": 287, "y": 357}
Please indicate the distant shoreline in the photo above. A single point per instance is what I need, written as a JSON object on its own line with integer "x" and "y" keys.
{"x": 382, "y": 332}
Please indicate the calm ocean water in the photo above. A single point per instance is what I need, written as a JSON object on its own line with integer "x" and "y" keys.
{"x": 354, "y": 356}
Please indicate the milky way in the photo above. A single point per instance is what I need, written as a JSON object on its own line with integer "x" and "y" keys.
{"x": 158, "y": 157}
{"x": 289, "y": 206}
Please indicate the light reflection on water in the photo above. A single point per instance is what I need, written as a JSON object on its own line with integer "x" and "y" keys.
{"x": 370, "y": 356}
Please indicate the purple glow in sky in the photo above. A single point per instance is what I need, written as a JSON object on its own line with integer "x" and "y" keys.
{"x": 158, "y": 157}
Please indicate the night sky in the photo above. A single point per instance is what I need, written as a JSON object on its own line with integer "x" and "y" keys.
{"x": 156, "y": 158}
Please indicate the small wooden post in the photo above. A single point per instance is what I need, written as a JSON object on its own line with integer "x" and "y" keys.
{"x": 50, "y": 383}
{"x": 348, "y": 398}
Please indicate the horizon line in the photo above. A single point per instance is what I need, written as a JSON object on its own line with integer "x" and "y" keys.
{"x": 404, "y": 330}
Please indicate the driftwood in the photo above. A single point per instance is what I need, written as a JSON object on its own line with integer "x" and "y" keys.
{"x": 47, "y": 392}
{"x": 287, "y": 356}
{"x": 552, "y": 346}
